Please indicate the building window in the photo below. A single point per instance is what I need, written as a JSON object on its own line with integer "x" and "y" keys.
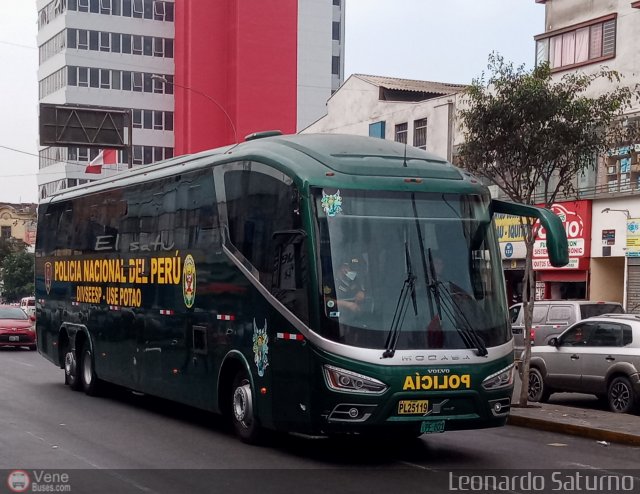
{"x": 5, "y": 232}
{"x": 137, "y": 82}
{"x": 147, "y": 119}
{"x": 377, "y": 130}
{"x": 137, "y": 119}
{"x": 336, "y": 2}
{"x": 83, "y": 39}
{"x": 420, "y": 133}
{"x": 137, "y": 45}
{"x": 401, "y": 133}
{"x": 138, "y": 8}
{"x": 581, "y": 44}
{"x": 93, "y": 40}
{"x": 335, "y": 65}
{"x": 336, "y": 31}
{"x": 83, "y": 76}
{"x": 158, "y": 11}
{"x": 105, "y": 42}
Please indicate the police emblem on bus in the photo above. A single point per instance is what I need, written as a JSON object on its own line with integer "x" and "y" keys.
{"x": 189, "y": 281}
{"x": 48, "y": 276}
{"x": 260, "y": 347}
{"x": 331, "y": 203}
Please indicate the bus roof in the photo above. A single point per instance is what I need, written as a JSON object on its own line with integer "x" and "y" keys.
{"x": 310, "y": 158}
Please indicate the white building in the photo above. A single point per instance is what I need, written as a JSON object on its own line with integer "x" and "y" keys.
{"x": 103, "y": 53}
{"x": 419, "y": 113}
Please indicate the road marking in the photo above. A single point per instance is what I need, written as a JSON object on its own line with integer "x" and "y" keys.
{"x": 415, "y": 465}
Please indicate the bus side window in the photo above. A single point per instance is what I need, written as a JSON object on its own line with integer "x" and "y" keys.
{"x": 264, "y": 218}
{"x": 64, "y": 233}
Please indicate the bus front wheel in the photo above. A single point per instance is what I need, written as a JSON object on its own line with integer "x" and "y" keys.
{"x": 242, "y": 409}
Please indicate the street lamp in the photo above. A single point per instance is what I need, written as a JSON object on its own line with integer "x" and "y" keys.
{"x": 164, "y": 80}
{"x": 625, "y": 211}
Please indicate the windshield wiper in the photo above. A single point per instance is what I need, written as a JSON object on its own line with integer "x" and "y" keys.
{"x": 408, "y": 289}
{"x": 468, "y": 334}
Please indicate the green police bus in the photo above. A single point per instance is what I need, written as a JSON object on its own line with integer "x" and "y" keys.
{"x": 318, "y": 284}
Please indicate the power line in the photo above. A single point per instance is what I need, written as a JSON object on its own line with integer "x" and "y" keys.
{"x": 41, "y": 157}
{"x": 18, "y": 45}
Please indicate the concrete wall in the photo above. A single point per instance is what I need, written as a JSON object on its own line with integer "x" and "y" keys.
{"x": 607, "y": 279}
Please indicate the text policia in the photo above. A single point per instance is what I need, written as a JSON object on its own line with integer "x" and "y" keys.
{"x": 135, "y": 271}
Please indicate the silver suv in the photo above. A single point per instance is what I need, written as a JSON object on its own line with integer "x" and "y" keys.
{"x": 600, "y": 355}
{"x": 552, "y": 317}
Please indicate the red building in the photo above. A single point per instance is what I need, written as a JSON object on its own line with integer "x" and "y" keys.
{"x": 240, "y": 60}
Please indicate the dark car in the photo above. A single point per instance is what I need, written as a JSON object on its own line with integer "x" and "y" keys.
{"x": 17, "y": 329}
{"x": 599, "y": 355}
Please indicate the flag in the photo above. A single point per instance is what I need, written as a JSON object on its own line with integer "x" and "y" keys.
{"x": 105, "y": 157}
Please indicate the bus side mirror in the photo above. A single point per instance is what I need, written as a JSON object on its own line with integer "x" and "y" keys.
{"x": 557, "y": 244}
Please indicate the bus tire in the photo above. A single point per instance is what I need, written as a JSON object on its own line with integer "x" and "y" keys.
{"x": 242, "y": 409}
{"x": 88, "y": 378}
{"x": 71, "y": 369}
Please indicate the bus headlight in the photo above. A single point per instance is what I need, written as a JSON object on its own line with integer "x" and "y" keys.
{"x": 352, "y": 382}
{"x": 501, "y": 379}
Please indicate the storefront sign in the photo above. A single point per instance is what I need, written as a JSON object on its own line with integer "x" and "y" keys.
{"x": 576, "y": 219}
{"x": 608, "y": 237}
{"x": 633, "y": 237}
{"x": 539, "y": 264}
{"x": 508, "y": 228}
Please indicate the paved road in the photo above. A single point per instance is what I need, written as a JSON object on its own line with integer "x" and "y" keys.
{"x": 141, "y": 441}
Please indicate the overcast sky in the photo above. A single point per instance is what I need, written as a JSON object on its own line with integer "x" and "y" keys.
{"x": 436, "y": 40}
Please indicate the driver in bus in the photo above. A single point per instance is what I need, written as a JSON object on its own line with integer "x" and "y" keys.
{"x": 350, "y": 290}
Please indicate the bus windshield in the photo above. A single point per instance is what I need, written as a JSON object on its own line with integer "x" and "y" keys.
{"x": 409, "y": 270}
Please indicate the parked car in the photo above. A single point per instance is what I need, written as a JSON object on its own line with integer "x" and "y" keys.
{"x": 599, "y": 355}
{"x": 28, "y": 304}
{"x": 552, "y": 317}
{"x": 16, "y": 328}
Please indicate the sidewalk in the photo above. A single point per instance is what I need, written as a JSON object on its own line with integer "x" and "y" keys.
{"x": 588, "y": 422}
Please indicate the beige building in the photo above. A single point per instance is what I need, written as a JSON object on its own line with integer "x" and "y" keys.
{"x": 19, "y": 221}
{"x": 418, "y": 113}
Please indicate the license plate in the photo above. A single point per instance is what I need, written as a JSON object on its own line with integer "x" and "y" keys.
{"x": 432, "y": 426}
{"x": 14, "y": 338}
{"x": 413, "y": 407}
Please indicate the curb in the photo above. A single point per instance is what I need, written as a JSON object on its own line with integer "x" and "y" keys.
{"x": 575, "y": 430}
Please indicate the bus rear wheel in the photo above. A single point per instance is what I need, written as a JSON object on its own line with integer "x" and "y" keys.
{"x": 90, "y": 382}
{"x": 242, "y": 409}
{"x": 71, "y": 370}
